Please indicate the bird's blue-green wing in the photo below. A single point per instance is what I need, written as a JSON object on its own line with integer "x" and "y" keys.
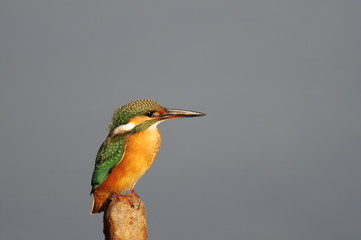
{"x": 109, "y": 155}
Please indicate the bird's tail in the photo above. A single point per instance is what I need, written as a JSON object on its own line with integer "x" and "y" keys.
{"x": 98, "y": 202}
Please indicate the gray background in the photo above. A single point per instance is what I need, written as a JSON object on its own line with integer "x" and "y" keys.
{"x": 276, "y": 158}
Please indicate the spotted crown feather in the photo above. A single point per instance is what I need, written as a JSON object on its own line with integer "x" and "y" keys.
{"x": 123, "y": 114}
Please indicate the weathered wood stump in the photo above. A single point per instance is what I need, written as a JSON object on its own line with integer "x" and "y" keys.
{"x": 122, "y": 221}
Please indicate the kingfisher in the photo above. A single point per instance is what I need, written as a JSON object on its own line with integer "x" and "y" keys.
{"x": 130, "y": 149}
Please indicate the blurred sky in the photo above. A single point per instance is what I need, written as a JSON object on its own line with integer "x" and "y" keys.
{"x": 278, "y": 156}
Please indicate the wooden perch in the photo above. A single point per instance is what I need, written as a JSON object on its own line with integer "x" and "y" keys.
{"x": 122, "y": 221}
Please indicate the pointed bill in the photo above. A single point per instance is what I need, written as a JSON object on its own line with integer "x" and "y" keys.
{"x": 178, "y": 113}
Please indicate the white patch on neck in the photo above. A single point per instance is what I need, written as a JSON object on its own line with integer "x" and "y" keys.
{"x": 124, "y": 128}
{"x": 154, "y": 126}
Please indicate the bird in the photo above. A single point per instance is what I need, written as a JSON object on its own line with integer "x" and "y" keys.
{"x": 129, "y": 150}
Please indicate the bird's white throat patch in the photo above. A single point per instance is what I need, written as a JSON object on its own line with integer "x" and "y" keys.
{"x": 154, "y": 126}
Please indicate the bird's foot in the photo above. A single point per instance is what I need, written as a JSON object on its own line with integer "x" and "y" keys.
{"x": 121, "y": 196}
{"x": 135, "y": 194}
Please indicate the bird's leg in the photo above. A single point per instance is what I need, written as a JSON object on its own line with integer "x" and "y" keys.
{"x": 137, "y": 196}
{"x": 120, "y": 196}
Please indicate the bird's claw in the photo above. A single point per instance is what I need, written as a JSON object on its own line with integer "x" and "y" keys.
{"x": 120, "y": 196}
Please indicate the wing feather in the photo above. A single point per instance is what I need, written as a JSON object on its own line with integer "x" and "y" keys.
{"x": 109, "y": 156}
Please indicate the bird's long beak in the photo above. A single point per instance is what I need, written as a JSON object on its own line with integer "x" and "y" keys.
{"x": 178, "y": 113}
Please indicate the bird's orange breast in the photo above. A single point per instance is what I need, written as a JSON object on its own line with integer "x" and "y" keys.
{"x": 140, "y": 152}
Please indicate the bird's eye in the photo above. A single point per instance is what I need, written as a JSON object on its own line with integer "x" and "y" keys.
{"x": 149, "y": 113}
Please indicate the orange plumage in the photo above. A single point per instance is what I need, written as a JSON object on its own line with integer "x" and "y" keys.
{"x": 140, "y": 151}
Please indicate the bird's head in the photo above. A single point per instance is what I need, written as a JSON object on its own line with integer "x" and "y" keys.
{"x": 142, "y": 114}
